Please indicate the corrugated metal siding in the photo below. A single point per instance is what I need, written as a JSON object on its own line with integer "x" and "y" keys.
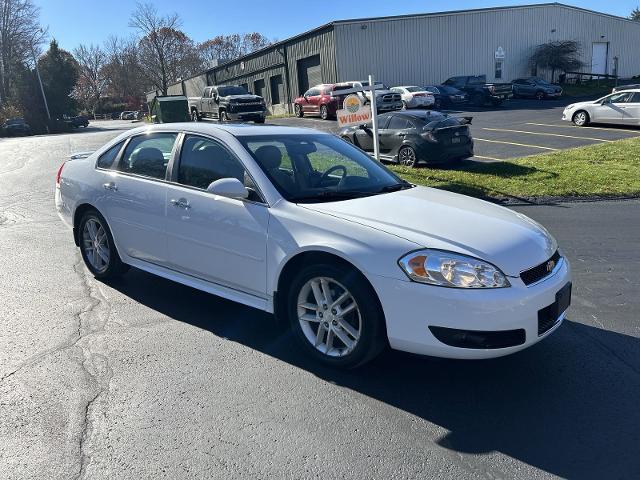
{"x": 194, "y": 86}
{"x": 175, "y": 89}
{"x": 430, "y": 49}
{"x": 322, "y": 43}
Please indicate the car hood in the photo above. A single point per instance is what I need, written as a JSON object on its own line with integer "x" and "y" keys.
{"x": 243, "y": 97}
{"x": 438, "y": 219}
{"x": 580, "y": 105}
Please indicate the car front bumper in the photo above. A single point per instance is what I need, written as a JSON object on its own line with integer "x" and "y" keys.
{"x": 567, "y": 115}
{"x": 410, "y": 308}
{"x": 257, "y": 115}
{"x": 389, "y": 106}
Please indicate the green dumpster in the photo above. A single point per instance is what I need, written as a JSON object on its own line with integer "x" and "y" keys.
{"x": 169, "y": 109}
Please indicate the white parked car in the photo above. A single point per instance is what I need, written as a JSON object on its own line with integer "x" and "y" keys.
{"x": 415, "y": 97}
{"x": 305, "y": 225}
{"x": 620, "y": 107}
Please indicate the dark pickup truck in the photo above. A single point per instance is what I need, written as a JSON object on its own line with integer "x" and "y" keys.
{"x": 227, "y": 102}
{"x": 479, "y": 91}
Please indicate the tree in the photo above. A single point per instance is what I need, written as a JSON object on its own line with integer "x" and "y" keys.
{"x": 92, "y": 83}
{"x": 122, "y": 71}
{"x": 20, "y": 36}
{"x": 164, "y": 52}
{"x": 635, "y": 14}
{"x": 557, "y": 56}
{"x": 228, "y": 47}
{"x": 59, "y": 72}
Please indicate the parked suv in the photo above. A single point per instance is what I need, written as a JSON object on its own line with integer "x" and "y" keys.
{"x": 16, "y": 126}
{"x": 318, "y": 100}
{"x": 480, "y": 92}
{"x": 535, "y": 87}
{"x": 227, "y": 102}
{"x": 386, "y": 100}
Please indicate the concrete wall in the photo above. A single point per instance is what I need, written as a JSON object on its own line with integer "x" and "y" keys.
{"x": 431, "y": 48}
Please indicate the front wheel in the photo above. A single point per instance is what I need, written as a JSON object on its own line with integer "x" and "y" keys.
{"x": 298, "y": 111}
{"x": 324, "y": 112}
{"x": 335, "y": 315}
{"x": 97, "y": 247}
{"x": 260, "y": 120}
{"x": 580, "y": 119}
{"x": 407, "y": 157}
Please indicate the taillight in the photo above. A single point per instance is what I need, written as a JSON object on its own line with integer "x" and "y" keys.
{"x": 492, "y": 88}
{"x": 59, "y": 174}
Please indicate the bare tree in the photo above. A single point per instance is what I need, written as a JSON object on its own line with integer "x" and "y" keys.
{"x": 557, "y": 56}
{"x": 165, "y": 53}
{"x": 92, "y": 82}
{"x": 635, "y": 14}
{"x": 121, "y": 69}
{"x": 20, "y": 36}
{"x": 228, "y": 47}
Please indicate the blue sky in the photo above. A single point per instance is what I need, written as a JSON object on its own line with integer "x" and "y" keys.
{"x": 73, "y": 22}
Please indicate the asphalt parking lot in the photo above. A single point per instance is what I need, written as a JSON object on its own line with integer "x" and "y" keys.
{"x": 518, "y": 128}
{"x": 145, "y": 378}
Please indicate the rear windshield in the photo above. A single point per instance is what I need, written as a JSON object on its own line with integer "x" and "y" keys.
{"x": 477, "y": 80}
{"x": 414, "y": 89}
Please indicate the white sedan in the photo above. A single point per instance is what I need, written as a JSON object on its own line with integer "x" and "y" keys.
{"x": 305, "y": 225}
{"x": 620, "y": 108}
{"x": 415, "y": 97}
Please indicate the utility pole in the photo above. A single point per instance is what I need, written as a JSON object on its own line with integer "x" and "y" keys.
{"x": 44, "y": 97}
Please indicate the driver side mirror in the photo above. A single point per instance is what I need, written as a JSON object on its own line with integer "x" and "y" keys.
{"x": 228, "y": 187}
{"x": 363, "y": 126}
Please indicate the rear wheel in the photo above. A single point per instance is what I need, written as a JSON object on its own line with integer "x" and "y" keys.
{"x": 333, "y": 316}
{"x": 97, "y": 247}
{"x": 407, "y": 157}
{"x": 580, "y": 118}
{"x": 224, "y": 116}
{"x": 324, "y": 112}
{"x": 298, "y": 111}
{"x": 496, "y": 103}
{"x": 260, "y": 120}
{"x": 540, "y": 95}
{"x": 194, "y": 115}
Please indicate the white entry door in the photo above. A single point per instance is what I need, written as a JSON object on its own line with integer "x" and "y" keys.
{"x": 599, "y": 57}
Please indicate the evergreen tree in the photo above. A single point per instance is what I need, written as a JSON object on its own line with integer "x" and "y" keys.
{"x": 59, "y": 72}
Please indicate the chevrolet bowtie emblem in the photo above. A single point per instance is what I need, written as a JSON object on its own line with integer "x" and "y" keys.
{"x": 550, "y": 265}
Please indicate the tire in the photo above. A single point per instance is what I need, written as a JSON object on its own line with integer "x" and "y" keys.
{"x": 194, "y": 116}
{"x": 298, "y": 111}
{"x": 540, "y": 95}
{"x": 362, "y": 328}
{"x": 437, "y": 104}
{"x": 477, "y": 100}
{"x": 224, "y": 116}
{"x": 324, "y": 112}
{"x": 407, "y": 157}
{"x": 404, "y": 105}
{"x": 261, "y": 120}
{"x": 496, "y": 103}
{"x": 102, "y": 265}
{"x": 580, "y": 118}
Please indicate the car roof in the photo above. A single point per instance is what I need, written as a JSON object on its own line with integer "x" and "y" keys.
{"x": 235, "y": 129}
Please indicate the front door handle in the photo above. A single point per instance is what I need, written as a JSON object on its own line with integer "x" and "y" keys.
{"x": 110, "y": 186}
{"x": 180, "y": 203}
{"x": 401, "y": 134}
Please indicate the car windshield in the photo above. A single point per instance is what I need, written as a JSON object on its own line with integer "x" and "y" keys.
{"x": 414, "y": 89}
{"x": 319, "y": 167}
{"x": 15, "y": 121}
{"x": 540, "y": 81}
{"x": 480, "y": 79}
{"x": 231, "y": 90}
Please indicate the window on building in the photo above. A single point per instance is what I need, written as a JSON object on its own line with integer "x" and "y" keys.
{"x": 498, "y": 73}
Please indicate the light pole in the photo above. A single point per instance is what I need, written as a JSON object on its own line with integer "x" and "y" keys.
{"x": 44, "y": 97}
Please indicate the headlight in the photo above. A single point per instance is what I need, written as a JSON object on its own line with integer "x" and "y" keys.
{"x": 448, "y": 269}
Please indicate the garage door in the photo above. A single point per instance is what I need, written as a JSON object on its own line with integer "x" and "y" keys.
{"x": 309, "y": 73}
{"x": 258, "y": 87}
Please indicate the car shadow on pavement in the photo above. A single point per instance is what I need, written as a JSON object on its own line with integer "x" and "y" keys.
{"x": 568, "y": 405}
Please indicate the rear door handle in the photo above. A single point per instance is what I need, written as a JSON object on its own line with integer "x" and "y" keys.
{"x": 401, "y": 134}
{"x": 180, "y": 203}
{"x": 110, "y": 186}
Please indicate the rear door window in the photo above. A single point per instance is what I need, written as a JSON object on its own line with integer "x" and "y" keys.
{"x": 398, "y": 123}
{"x": 148, "y": 155}
{"x": 107, "y": 158}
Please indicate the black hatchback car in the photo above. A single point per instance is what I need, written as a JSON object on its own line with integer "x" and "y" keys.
{"x": 417, "y": 136}
{"x": 447, "y": 96}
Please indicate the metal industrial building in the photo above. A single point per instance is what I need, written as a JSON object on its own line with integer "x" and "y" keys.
{"x": 425, "y": 49}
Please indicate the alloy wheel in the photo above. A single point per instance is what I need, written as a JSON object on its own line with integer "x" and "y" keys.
{"x": 95, "y": 245}
{"x": 324, "y": 113}
{"x": 329, "y": 316}
{"x": 407, "y": 157}
{"x": 194, "y": 116}
{"x": 580, "y": 118}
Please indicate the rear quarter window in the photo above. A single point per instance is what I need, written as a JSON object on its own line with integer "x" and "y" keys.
{"x": 107, "y": 159}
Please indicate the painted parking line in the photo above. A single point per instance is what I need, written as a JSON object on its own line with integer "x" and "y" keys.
{"x": 513, "y": 143}
{"x": 612, "y": 130}
{"x": 546, "y": 134}
{"x": 482, "y": 157}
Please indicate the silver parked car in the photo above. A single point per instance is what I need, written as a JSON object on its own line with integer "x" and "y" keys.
{"x": 620, "y": 107}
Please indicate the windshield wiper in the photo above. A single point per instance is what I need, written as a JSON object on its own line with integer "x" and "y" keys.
{"x": 332, "y": 195}
{"x": 395, "y": 187}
